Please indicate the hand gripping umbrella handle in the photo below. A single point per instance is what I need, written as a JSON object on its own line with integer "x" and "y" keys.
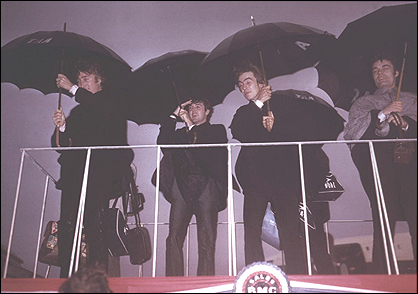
{"x": 177, "y": 95}
{"x": 57, "y": 132}
{"x": 57, "y": 140}
{"x": 264, "y": 74}
{"x": 264, "y": 77}
{"x": 399, "y": 89}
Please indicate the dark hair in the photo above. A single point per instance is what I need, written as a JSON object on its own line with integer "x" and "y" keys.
{"x": 247, "y": 66}
{"x": 206, "y": 103}
{"x": 90, "y": 66}
{"x": 88, "y": 279}
{"x": 387, "y": 55}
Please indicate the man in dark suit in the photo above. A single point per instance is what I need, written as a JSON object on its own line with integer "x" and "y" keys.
{"x": 97, "y": 121}
{"x": 195, "y": 183}
{"x": 271, "y": 173}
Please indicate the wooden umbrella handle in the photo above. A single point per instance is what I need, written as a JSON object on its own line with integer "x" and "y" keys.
{"x": 402, "y": 70}
{"x": 269, "y": 112}
{"x": 57, "y": 140}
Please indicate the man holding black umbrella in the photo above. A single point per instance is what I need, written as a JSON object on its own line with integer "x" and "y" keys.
{"x": 271, "y": 173}
{"x": 98, "y": 120}
{"x": 194, "y": 181}
{"x": 384, "y": 116}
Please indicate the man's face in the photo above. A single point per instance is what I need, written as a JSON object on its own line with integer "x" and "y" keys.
{"x": 248, "y": 85}
{"x": 89, "y": 82}
{"x": 384, "y": 74}
{"x": 198, "y": 113}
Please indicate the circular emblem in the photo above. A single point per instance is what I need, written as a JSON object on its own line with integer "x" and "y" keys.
{"x": 261, "y": 277}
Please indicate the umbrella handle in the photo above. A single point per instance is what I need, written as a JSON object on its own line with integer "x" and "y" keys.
{"x": 264, "y": 77}
{"x": 400, "y": 85}
{"x": 174, "y": 85}
{"x": 402, "y": 70}
{"x": 59, "y": 96}
{"x": 269, "y": 112}
{"x": 177, "y": 95}
{"x": 57, "y": 140}
{"x": 263, "y": 71}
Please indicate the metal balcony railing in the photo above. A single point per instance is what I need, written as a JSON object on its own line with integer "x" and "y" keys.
{"x": 232, "y": 252}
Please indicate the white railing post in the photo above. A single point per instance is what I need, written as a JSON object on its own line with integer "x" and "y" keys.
{"x": 381, "y": 206}
{"x": 231, "y": 220}
{"x": 305, "y": 212}
{"x": 80, "y": 216}
{"x": 157, "y": 194}
{"x": 12, "y": 225}
{"x": 35, "y": 268}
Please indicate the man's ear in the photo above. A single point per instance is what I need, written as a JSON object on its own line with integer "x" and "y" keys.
{"x": 396, "y": 73}
{"x": 262, "y": 84}
{"x": 99, "y": 80}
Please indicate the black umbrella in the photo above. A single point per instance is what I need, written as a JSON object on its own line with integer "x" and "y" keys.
{"x": 285, "y": 48}
{"x": 34, "y": 60}
{"x": 330, "y": 119}
{"x": 386, "y": 29}
{"x": 161, "y": 84}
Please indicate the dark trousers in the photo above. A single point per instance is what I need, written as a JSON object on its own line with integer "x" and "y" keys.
{"x": 285, "y": 205}
{"x": 94, "y": 229}
{"x": 104, "y": 183}
{"x": 318, "y": 239}
{"x": 108, "y": 169}
{"x": 206, "y": 212}
{"x": 399, "y": 186}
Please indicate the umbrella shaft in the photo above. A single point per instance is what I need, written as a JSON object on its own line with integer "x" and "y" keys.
{"x": 264, "y": 76}
{"x": 59, "y": 99}
{"x": 402, "y": 70}
{"x": 174, "y": 85}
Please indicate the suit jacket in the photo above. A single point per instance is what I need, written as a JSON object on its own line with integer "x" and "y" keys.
{"x": 295, "y": 120}
{"x": 98, "y": 120}
{"x": 211, "y": 161}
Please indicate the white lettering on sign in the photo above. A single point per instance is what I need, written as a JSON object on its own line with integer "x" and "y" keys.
{"x": 302, "y": 45}
{"x": 262, "y": 290}
{"x": 39, "y": 41}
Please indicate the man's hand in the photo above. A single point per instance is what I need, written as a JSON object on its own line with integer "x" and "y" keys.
{"x": 184, "y": 114}
{"x": 264, "y": 94}
{"x": 63, "y": 82}
{"x": 397, "y": 120}
{"x": 58, "y": 118}
{"x": 395, "y": 106}
{"x": 268, "y": 121}
{"x": 180, "y": 107}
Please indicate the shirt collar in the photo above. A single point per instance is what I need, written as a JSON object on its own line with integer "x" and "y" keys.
{"x": 385, "y": 91}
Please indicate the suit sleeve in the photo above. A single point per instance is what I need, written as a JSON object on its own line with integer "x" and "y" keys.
{"x": 247, "y": 125}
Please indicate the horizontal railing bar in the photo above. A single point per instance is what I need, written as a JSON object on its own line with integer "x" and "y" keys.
{"x": 220, "y": 144}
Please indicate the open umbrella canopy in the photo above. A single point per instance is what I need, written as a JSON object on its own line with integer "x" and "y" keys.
{"x": 285, "y": 48}
{"x": 330, "y": 119}
{"x": 161, "y": 84}
{"x": 34, "y": 60}
{"x": 386, "y": 29}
